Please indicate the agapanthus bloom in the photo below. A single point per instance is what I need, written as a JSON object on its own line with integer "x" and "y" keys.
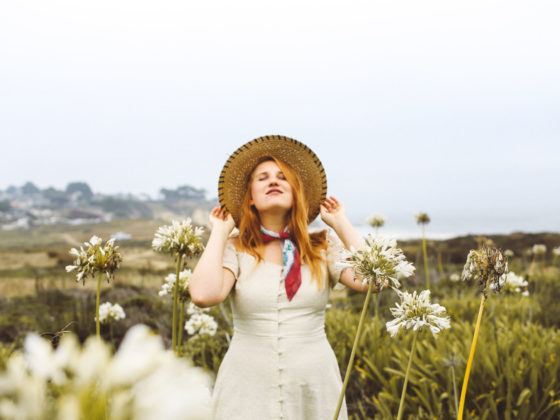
{"x": 422, "y": 218}
{"x": 539, "y": 249}
{"x": 509, "y": 253}
{"x": 193, "y": 309}
{"x": 95, "y": 258}
{"x": 201, "y": 323}
{"x": 556, "y": 251}
{"x": 379, "y": 259}
{"x": 143, "y": 380}
{"x": 376, "y": 220}
{"x": 183, "y": 290}
{"x": 486, "y": 266}
{"x": 179, "y": 238}
{"x": 109, "y": 312}
{"x": 455, "y": 277}
{"x": 512, "y": 283}
{"x": 415, "y": 311}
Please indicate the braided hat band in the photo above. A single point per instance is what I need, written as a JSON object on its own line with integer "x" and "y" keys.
{"x": 232, "y": 183}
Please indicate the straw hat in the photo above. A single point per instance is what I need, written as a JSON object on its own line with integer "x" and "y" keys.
{"x": 233, "y": 180}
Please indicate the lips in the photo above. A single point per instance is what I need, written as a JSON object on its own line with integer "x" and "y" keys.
{"x": 274, "y": 190}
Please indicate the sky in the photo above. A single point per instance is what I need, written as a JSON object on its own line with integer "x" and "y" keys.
{"x": 445, "y": 107}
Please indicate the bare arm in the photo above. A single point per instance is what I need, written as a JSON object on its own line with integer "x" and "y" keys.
{"x": 210, "y": 283}
{"x": 333, "y": 214}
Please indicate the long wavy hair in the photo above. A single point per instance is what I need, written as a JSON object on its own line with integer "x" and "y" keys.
{"x": 310, "y": 245}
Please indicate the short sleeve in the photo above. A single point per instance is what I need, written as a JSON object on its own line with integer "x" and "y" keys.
{"x": 230, "y": 260}
{"x": 336, "y": 253}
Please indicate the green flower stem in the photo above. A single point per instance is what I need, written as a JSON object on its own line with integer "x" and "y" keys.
{"x": 354, "y": 346}
{"x": 181, "y": 328}
{"x": 97, "y": 327}
{"x": 471, "y": 356}
{"x": 425, "y": 252}
{"x": 111, "y": 332}
{"x": 175, "y": 303}
{"x": 401, "y": 404}
{"x": 455, "y": 389}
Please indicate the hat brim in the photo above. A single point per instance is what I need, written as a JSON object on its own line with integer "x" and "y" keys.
{"x": 232, "y": 184}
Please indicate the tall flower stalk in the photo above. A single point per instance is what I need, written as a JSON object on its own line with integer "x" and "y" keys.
{"x": 415, "y": 312}
{"x": 377, "y": 262}
{"x": 487, "y": 266}
{"x": 95, "y": 258}
{"x": 376, "y": 220}
{"x": 423, "y": 219}
{"x": 181, "y": 240}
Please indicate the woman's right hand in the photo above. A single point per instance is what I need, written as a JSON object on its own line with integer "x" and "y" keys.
{"x": 219, "y": 220}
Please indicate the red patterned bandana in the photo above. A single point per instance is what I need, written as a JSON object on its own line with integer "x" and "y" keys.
{"x": 291, "y": 267}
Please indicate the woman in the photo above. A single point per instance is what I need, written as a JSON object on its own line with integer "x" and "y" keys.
{"x": 279, "y": 364}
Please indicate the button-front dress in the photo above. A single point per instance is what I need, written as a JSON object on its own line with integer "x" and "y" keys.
{"x": 279, "y": 364}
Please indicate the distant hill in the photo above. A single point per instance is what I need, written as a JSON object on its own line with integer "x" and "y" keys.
{"x": 27, "y": 206}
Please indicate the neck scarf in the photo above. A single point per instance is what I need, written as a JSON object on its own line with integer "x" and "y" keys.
{"x": 291, "y": 268}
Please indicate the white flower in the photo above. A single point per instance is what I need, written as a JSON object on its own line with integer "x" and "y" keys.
{"x": 509, "y": 253}
{"x": 95, "y": 258}
{"x": 539, "y": 249}
{"x": 556, "y": 251}
{"x": 144, "y": 381}
{"x": 109, "y": 312}
{"x": 513, "y": 283}
{"x": 193, "y": 309}
{"x": 179, "y": 238}
{"x": 378, "y": 259}
{"x": 455, "y": 277}
{"x": 376, "y": 220}
{"x": 201, "y": 323}
{"x": 183, "y": 290}
{"x": 416, "y": 312}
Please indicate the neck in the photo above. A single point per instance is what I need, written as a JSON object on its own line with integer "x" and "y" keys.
{"x": 275, "y": 223}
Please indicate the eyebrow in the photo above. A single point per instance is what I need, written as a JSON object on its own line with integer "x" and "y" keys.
{"x": 267, "y": 172}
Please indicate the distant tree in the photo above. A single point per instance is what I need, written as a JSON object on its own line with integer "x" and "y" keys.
{"x": 185, "y": 192}
{"x": 5, "y": 205}
{"x": 29, "y": 188}
{"x": 11, "y": 189}
{"x": 56, "y": 197}
{"x": 81, "y": 187}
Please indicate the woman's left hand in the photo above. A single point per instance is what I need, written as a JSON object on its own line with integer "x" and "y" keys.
{"x": 332, "y": 212}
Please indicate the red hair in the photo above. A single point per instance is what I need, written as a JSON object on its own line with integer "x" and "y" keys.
{"x": 309, "y": 245}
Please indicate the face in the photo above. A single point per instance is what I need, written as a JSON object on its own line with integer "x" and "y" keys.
{"x": 269, "y": 188}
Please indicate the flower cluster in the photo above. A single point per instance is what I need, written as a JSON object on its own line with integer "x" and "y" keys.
{"x": 512, "y": 283}
{"x": 486, "y": 266}
{"x": 378, "y": 260}
{"x": 509, "y": 253}
{"x": 422, "y": 218}
{"x": 376, "y": 220}
{"x": 454, "y": 277}
{"x": 416, "y": 312}
{"x": 183, "y": 285}
{"x": 147, "y": 384}
{"x": 201, "y": 323}
{"x": 556, "y": 251}
{"x": 95, "y": 258}
{"x": 179, "y": 238}
{"x": 539, "y": 249}
{"x": 109, "y": 312}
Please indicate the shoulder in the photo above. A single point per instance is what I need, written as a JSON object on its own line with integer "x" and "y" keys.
{"x": 234, "y": 241}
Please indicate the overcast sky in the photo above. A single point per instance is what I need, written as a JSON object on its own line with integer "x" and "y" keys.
{"x": 446, "y": 107}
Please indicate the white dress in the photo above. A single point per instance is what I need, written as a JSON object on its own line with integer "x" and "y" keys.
{"x": 279, "y": 364}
